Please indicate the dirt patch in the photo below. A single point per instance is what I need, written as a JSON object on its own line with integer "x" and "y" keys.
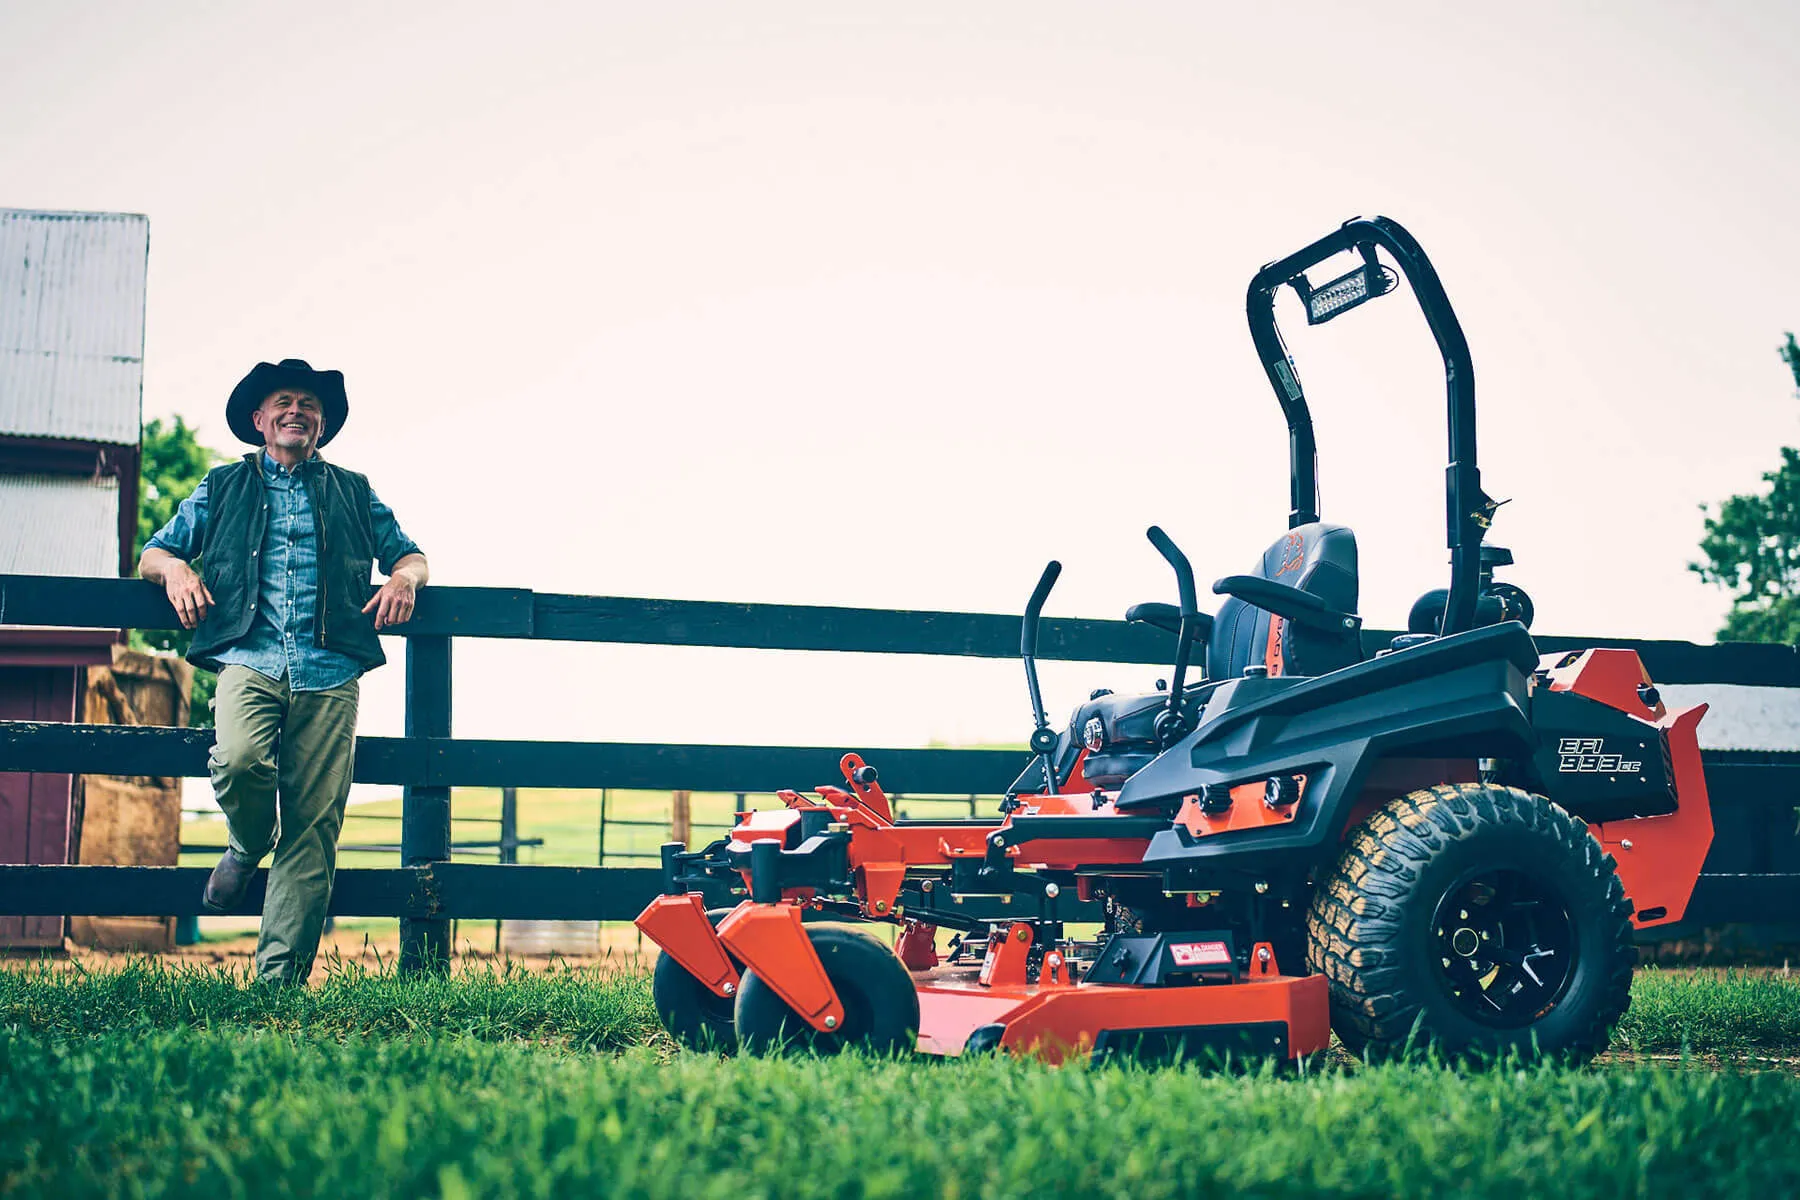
{"x": 372, "y": 949}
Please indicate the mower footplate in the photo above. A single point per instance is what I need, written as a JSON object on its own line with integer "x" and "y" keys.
{"x": 1274, "y": 1016}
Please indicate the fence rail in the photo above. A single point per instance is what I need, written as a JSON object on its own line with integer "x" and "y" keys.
{"x": 427, "y": 891}
{"x": 450, "y": 762}
{"x": 435, "y": 891}
{"x": 518, "y": 613}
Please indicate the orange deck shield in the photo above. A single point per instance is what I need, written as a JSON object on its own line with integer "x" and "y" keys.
{"x": 1057, "y": 1024}
{"x": 770, "y": 940}
{"x": 678, "y": 925}
{"x": 1660, "y": 857}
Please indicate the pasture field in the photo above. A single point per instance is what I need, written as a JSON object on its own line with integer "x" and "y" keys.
{"x": 157, "y": 1080}
{"x": 568, "y": 819}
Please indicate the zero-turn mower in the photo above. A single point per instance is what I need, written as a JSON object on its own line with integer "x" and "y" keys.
{"x": 1449, "y": 841}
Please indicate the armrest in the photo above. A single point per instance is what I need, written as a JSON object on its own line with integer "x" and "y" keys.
{"x": 1302, "y": 608}
{"x": 1167, "y": 617}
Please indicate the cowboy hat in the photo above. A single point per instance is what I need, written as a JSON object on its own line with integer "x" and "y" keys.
{"x": 297, "y": 373}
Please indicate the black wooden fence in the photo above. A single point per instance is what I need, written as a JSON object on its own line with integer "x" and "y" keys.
{"x": 427, "y": 891}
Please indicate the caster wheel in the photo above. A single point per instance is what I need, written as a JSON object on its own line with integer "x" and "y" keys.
{"x": 693, "y": 1013}
{"x": 881, "y": 1006}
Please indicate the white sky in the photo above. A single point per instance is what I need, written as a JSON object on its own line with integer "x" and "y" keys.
{"x": 886, "y": 305}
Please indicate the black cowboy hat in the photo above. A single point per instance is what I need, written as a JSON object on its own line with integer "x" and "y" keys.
{"x": 265, "y": 378}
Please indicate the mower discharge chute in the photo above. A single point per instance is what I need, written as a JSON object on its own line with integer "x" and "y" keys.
{"x": 1441, "y": 841}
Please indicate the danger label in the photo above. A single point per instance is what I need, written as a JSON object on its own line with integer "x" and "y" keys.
{"x": 1199, "y": 954}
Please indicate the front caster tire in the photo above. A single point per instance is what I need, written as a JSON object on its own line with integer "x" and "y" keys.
{"x": 881, "y": 1006}
{"x": 693, "y": 1013}
{"x": 1478, "y": 919}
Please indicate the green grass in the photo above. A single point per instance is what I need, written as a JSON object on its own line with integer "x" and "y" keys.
{"x": 160, "y": 1079}
{"x": 1729, "y": 1013}
{"x": 1712, "y": 1012}
{"x": 236, "y": 1114}
{"x": 577, "y": 1009}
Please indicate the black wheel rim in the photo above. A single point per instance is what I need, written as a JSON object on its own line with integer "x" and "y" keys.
{"x": 1503, "y": 946}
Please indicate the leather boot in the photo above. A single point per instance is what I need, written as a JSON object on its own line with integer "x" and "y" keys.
{"x": 226, "y": 886}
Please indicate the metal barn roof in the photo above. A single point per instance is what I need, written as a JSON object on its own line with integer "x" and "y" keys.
{"x": 59, "y": 525}
{"x": 72, "y": 324}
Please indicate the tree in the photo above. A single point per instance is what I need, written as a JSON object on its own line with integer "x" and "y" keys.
{"x": 1752, "y": 548}
{"x": 172, "y": 462}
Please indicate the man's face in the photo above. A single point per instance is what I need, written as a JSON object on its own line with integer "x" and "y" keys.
{"x": 291, "y": 419}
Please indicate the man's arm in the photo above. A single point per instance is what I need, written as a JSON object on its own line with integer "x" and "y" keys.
{"x": 400, "y": 556}
{"x": 167, "y": 554}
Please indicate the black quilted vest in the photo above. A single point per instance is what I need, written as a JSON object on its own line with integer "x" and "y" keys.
{"x": 237, "y": 512}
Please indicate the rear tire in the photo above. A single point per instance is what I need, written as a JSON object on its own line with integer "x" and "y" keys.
{"x": 881, "y": 1005}
{"x": 695, "y": 1015}
{"x": 1478, "y": 919}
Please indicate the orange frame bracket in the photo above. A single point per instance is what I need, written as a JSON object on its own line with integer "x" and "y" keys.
{"x": 678, "y": 925}
{"x": 770, "y": 940}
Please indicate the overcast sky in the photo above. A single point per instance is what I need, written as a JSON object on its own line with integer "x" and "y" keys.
{"x": 888, "y": 304}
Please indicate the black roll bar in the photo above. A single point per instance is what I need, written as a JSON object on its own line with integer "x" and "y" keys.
{"x": 1468, "y": 510}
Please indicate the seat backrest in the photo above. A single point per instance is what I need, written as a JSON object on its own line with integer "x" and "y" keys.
{"x": 1316, "y": 558}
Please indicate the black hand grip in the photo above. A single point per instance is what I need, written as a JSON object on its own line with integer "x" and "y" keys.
{"x": 1184, "y": 573}
{"x": 1028, "y": 633}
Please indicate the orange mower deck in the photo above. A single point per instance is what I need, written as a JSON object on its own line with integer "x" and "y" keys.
{"x": 991, "y": 1006}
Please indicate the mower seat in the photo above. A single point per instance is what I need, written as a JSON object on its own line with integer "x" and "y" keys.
{"x": 1119, "y": 732}
{"x": 1317, "y": 558}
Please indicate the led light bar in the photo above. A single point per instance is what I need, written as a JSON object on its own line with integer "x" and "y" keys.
{"x": 1346, "y": 292}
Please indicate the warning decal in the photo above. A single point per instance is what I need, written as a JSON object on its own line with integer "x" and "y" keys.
{"x": 1199, "y": 954}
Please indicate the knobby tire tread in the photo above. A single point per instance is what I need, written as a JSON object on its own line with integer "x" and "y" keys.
{"x": 1354, "y": 924}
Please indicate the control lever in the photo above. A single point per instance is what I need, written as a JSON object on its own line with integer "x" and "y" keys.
{"x": 1043, "y": 738}
{"x": 1169, "y": 724}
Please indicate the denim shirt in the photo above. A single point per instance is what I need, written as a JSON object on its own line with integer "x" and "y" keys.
{"x": 280, "y": 641}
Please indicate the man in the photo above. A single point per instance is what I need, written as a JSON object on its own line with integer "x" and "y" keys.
{"x": 281, "y": 610}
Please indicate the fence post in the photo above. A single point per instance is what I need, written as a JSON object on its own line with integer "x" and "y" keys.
{"x": 509, "y": 825}
{"x": 681, "y": 817}
{"x": 603, "y": 797}
{"x": 425, "y": 811}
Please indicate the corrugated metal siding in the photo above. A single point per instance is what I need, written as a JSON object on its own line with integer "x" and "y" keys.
{"x": 59, "y": 525}
{"x": 72, "y": 324}
{"x": 1741, "y": 717}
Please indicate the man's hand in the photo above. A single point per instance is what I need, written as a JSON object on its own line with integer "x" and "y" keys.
{"x": 186, "y": 592}
{"x": 393, "y": 602}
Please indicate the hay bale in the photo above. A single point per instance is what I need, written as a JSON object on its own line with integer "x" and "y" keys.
{"x": 132, "y": 820}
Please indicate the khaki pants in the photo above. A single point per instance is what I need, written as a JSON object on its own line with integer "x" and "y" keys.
{"x": 281, "y": 771}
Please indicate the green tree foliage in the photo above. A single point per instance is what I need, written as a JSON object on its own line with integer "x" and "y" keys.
{"x": 171, "y": 466}
{"x": 1752, "y": 548}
